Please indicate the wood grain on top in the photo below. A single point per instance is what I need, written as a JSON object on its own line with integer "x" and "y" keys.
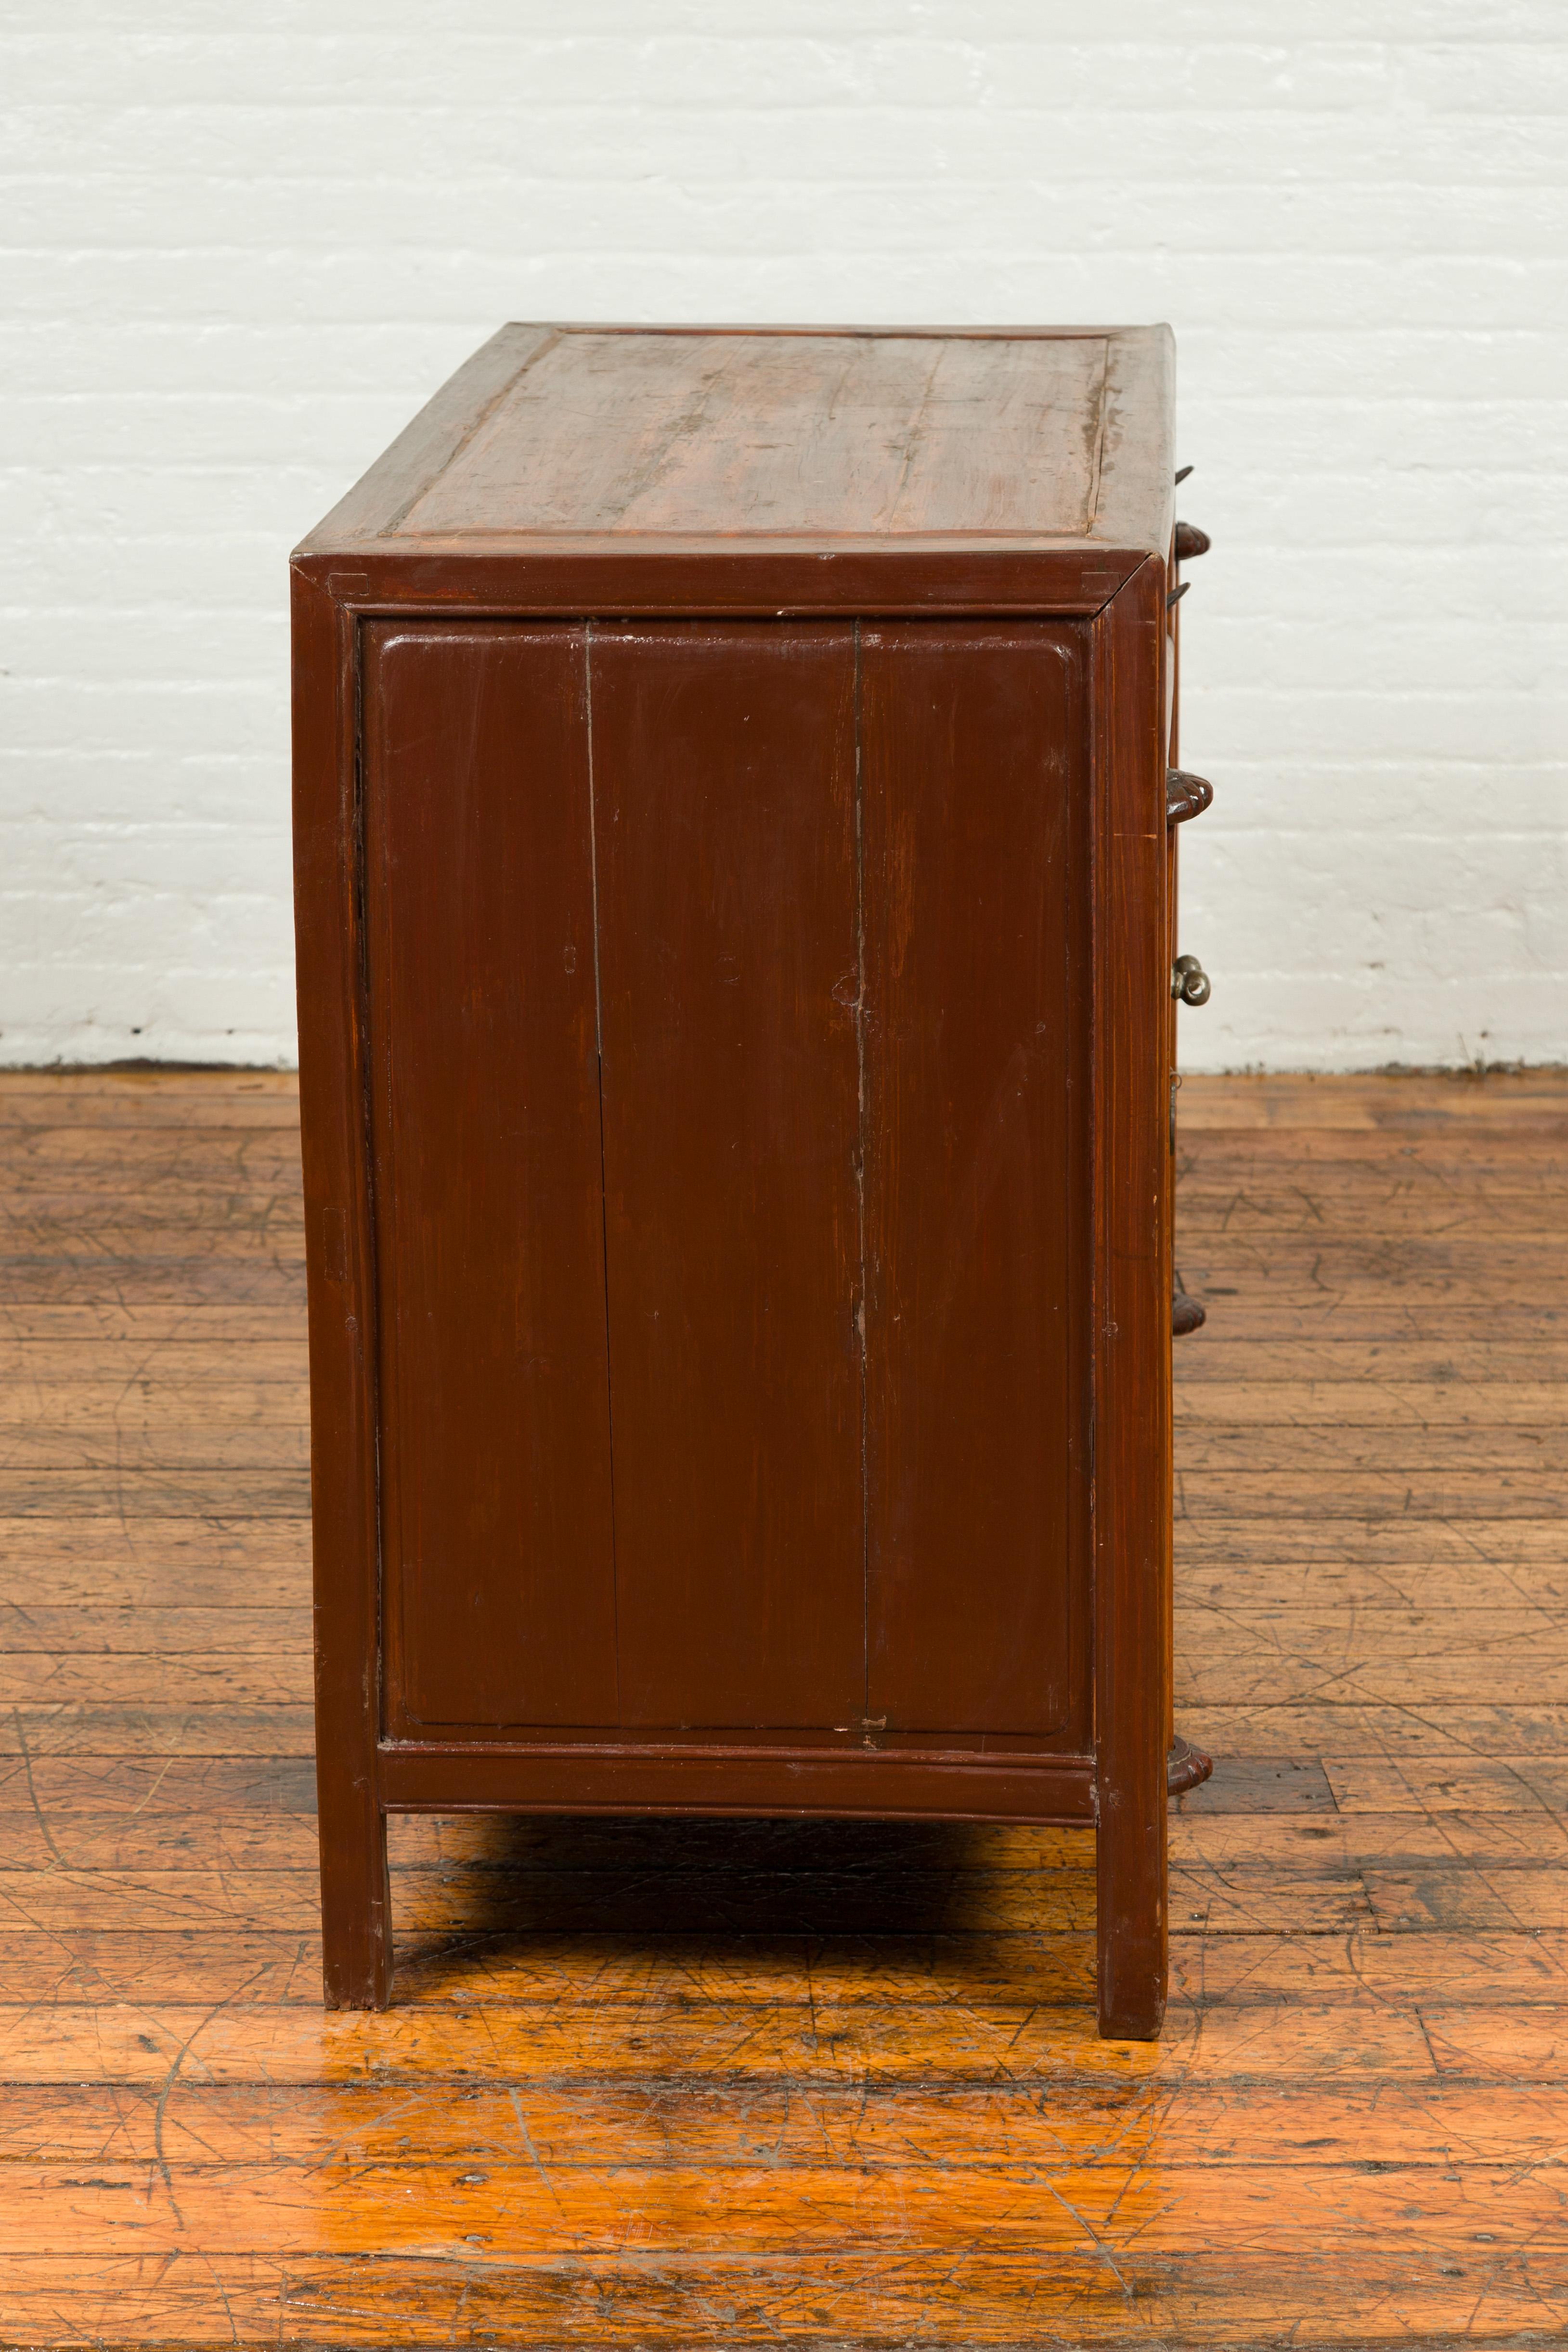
{"x": 1016, "y": 434}
{"x": 784, "y": 433}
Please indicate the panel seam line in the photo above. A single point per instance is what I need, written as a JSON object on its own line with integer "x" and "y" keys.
{"x": 861, "y": 1108}
{"x": 604, "y": 1168}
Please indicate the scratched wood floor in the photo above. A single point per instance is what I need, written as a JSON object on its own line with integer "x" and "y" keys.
{"x": 763, "y": 2085}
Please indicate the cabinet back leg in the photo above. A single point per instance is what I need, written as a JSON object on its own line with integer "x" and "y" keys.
{"x": 1131, "y": 1954}
{"x": 356, "y": 1910}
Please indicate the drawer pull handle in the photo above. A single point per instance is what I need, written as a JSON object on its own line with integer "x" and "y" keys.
{"x": 1189, "y": 982}
{"x": 1186, "y": 1767}
{"x": 1176, "y": 594}
{"x": 1190, "y": 541}
{"x": 1186, "y": 795}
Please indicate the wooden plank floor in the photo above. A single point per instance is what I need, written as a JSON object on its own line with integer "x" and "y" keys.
{"x": 716, "y": 2087}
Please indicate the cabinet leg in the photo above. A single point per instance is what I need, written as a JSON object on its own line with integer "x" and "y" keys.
{"x": 356, "y": 1910}
{"x": 1130, "y": 1922}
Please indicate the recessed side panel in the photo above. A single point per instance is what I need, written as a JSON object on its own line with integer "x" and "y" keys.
{"x": 724, "y": 800}
{"x": 498, "y": 1561}
{"x": 976, "y": 895}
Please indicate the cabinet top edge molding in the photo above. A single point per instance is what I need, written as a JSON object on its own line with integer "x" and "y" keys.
{"x": 895, "y": 443}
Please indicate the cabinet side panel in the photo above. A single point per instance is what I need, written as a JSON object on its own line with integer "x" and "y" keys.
{"x": 723, "y": 795}
{"x": 495, "y": 1504}
{"x": 975, "y": 773}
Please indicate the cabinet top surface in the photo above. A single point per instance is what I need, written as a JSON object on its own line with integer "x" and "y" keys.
{"x": 824, "y": 438}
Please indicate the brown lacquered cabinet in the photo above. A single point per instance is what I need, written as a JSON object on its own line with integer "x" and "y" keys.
{"x": 735, "y": 916}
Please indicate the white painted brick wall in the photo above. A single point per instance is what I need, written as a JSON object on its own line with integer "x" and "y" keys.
{"x": 242, "y": 244}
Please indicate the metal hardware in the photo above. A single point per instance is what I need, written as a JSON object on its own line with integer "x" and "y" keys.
{"x": 1186, "y": 795}
{"x": 1186, "y": 1767}
{"x": 1190, "y": 541}
{"x": 1176, "y": 594}
{"x": 1189, "y": 982}
{"x": 1182, "y": 472}
{"x": 1187, "y": 1315}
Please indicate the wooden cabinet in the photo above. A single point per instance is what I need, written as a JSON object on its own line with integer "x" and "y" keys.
{"x": 735, "y": 952}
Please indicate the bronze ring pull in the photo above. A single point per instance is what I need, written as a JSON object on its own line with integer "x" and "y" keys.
{"x": 1188, "y": 1314}
{"x": 1186, "y": 796}
{"x": 1189, "y": 982}
{"x": 1186, "y": 1767}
